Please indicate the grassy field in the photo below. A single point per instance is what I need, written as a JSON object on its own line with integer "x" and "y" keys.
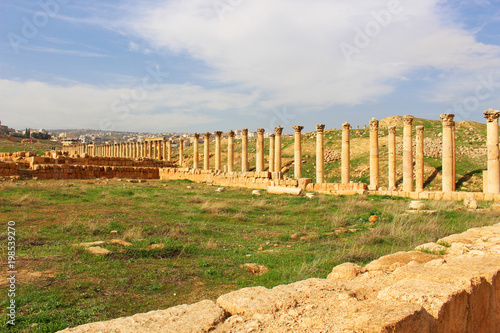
{"x": 10, "y": 145}
{"x": 206, "y": 236}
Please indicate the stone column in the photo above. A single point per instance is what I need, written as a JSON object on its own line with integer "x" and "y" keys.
{"x": 164, "y": 149}
{"x": 277, "y": 161}
{"x": 297, "y": 156}
{"x": 320, "y": 153}
{"x": 493, "y": 178}
{"x": 374, "y": 156}
{"x": 259, "y": 165}
{"x": 181, "y": 152}
{"x": 230, "y": 151}
{"x": 150, "y": 152}
{"x": 447, "y": 154}
{"x": 206, "y": 152}
{"x": 271, "y": 152}
{"x": 196, "y": 154}
{"x": 169, "y": 150}
{"x": 419, "y": 157}
{"x": 392, "y": 157}
{"x": 346, "y": 154}
{"x": 407, "y": 154}
{"x": 244, "y": 150}
{"x": 218, "y": 154}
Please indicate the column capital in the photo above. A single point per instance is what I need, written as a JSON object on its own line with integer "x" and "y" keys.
{"x": 196, "y": 136}
{"x": 181, "y": 140}
{"x": 320, "y": 128}
{"x": 297, "y": 129}
{"x": 374, "y": 124}
{"x": 278, "y": 130}
{"x": 170, "y": 140}
{"x": 447, "y": 119}
{"x": 408, "y": 119}
{"x": 218, "y": 133}
{"x": 230, "y": 134}
{"x": 244, "y": 131}
{"x": 271, "y": 135}
{"x": 420, "y": 129}
{"x": 491, "y": 115}
{"x": 260, "y": 131}
{"x": 392, "y": 129}
{"x": 207, "y": 135}
{"x": 346, "y": 126}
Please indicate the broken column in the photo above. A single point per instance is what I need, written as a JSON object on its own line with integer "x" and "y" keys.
{"x": 271, "y": 152}
{"x": 407, "y": 153}
{"x": 230, "y": 151}
{"x": 244, "y": 150}
{"x": 493, "y": 177}
{"x": 297, "y": 156}
{"x": 196, "y": 154}
{"x": 206, "y": 151}
{"x": 448, "y": 154}
{"x": 181, "y": 152}
{"x": 277, "y": 160}
{"x": 346, "y": 154}
{"x": 392, "y": 157}
{"x": 320, "y": 153}
{"x": 419, "y": 159}
{"x": 217, "y": 150}
{"x": 374, "y": 156}
{"x": 259, "y": 167}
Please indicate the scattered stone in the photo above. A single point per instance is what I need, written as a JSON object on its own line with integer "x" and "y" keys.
{"x": 346, "y": 271}
{"x": 295, "y": 235}
{"x": 132, "y": 180}
{"x": 416, "y": 205}
{"x": 120, "y": 242}
{"x": 189, "y": 187}
{"x": 470, "y": 203}
{"x": 255, "y": 269}
{"x": 373, "y": 218}
{"x": 114, "y": 232}
{"x": 92, "y": 244}
{"x": 142, "y": 180}
{"x": 422, "y": 211}
{"x": 221, "y": 189}
{"x": 256, "y": 192}
{"x": 311, "y": 195}
{"x": 97, "y": 250}
{"x": 495, "y": 207}
{"x": 156, "y": 246}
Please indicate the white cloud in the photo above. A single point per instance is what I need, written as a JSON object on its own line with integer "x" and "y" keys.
{"x": 167, "y": 107}
{"x": 291, "y": 49}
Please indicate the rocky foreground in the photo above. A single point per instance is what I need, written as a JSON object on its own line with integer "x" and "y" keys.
{"x": 449, "y": 286}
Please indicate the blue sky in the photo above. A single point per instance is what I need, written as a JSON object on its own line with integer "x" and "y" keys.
{"x": 206, "y": 65}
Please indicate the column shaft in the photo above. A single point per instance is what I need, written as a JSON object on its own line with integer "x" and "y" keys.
{"x": 447, "y": 153}
{"x": 419, "y": 157}
{"x": 297, "y": 156}
{"x": 374, "y": 155}
{"x": 244, "y": 150}
{"x": 346, "y": 154}
{"x": 272, "y": 152}
{"x": 407, "y": 154}
{"x": 230, "y": 151}
{"x": 259, "y": 164}
{"x": 392, "y": 157}
{"x": 320, "y": 153}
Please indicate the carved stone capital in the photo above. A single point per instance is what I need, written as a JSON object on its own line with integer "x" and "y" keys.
{"x": 278, "y": 130}
{"x": 408, "y": 120}
{"x": 244, "y": 131}
{"x": 297, "y": 129}
{"x": 196, "y": 136}
{"x": 206, "y": 135}
{"x": 320, "y": 128}
{"x": 420, "y": 129}
{"x": 447, "y": 119}
{"x": 218, "y": 134}
{"x": 491, "y": 115}
{"x": 346, "y": 126}
{"x": 230, "y": 134}
{"x": 374, "y": 124}
{"x": 392, "y": 129}
{"x": 260, "y": 131}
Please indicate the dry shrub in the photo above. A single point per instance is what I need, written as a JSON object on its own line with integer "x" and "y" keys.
{"x": 240, "y": 217}
{"x": 133, "y": 234}
{"x": 261, "y": 204}
{"x": 211, "y": 245}
{"x": 195, "y": 199}
{"x": 215, "y": 208}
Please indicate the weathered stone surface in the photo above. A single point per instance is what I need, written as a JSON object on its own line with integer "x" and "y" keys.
{"x": 198, "y": 317}
{"x": 255, "y": 269}
{"x": 256, "y": 192}
{"x": 416, "y": 204}
{"x": 432, "y": 248}
{"x": 346, "y": 271}
{"x": 284, "y": 190}
{"x": 393, "y": 261}
{"x": 91, "y": 244}
{"x": 470, "y": 203}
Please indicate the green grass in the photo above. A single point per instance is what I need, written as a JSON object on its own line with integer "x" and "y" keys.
{"x": 206, "y": 236}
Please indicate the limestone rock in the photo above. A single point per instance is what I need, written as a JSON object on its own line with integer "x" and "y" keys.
{"x": 156, "y": 246}
{"x": 416, "y": 204}
{"x": 198, "y": 317}
{"x": 256, "y": 192}
{"x": 346, "y": 271}
{"x": 431, "y": 247}
{"x": 470, "y": 203}
{"x": 398, "y": 259}
{"x": 97, "y": 250}
{"x": 221, "y": 189}
{"x": 311, "y": 195}
{"x": 255, "y": 269}
{"x": 92, "y": 244}
{"x": 120, "y": 242}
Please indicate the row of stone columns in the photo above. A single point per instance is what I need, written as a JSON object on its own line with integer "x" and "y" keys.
{"x": 160, "y": 149}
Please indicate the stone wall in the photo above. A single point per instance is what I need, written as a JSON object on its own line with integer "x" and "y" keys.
{"x": 454, "y": 286}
